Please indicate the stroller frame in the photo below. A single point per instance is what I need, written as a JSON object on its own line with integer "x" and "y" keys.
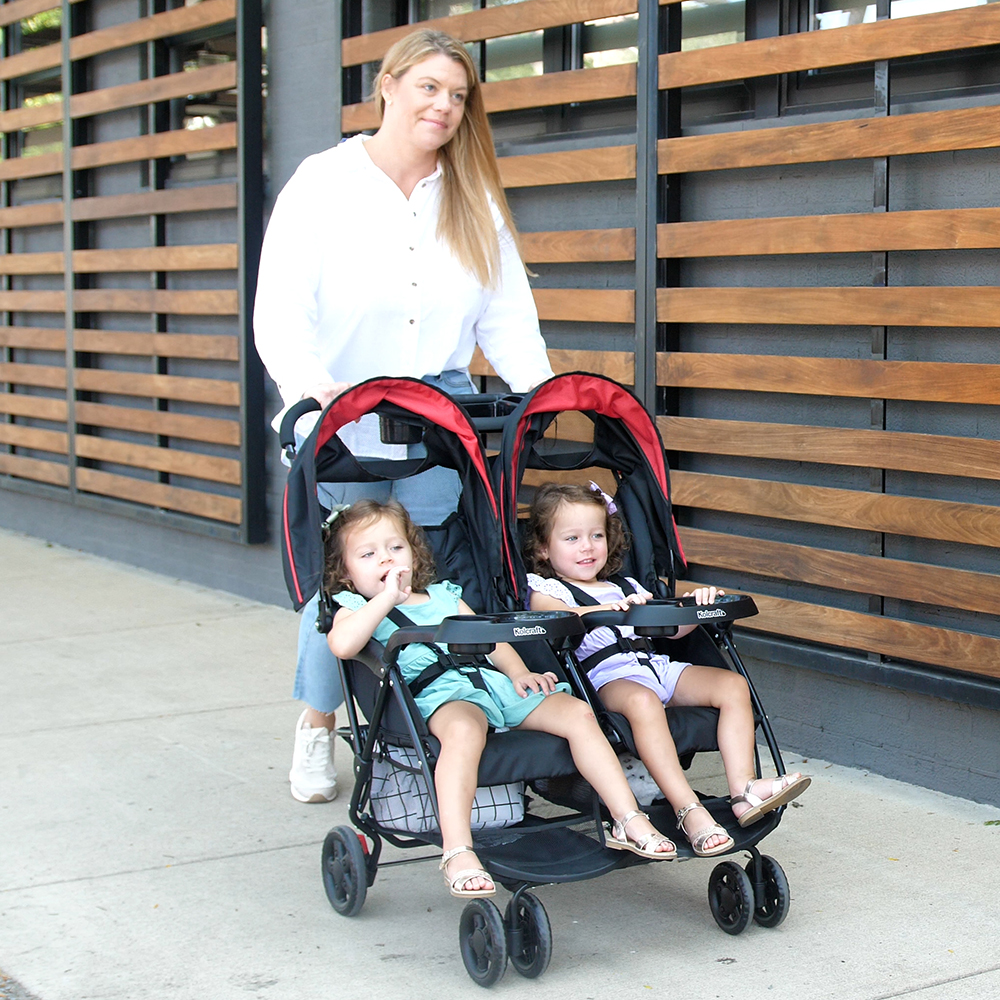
{"x": 373, "y": 679}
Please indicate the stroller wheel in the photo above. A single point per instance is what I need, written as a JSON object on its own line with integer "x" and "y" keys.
{"x": 529, "y": 935}
{"x": 483, "y": 942}
{"x": 345, "y": 877}
{"x": 774, "y": 907}
{"x": 730, "y": 895}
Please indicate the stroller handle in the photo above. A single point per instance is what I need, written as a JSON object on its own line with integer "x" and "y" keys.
{"x": 286, "y": 432}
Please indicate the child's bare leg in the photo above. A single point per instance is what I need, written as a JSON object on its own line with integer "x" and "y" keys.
{"x": 728, "y": 692}
{"x": 461, "y": 727}
{"x": 569, "y": 717}
{"x": 644, "y": 711}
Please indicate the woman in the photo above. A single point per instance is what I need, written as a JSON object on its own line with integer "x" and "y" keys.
{"x": 393, "y": 254}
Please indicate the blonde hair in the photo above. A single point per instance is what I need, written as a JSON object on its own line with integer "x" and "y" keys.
{"x": 468, "y": 160}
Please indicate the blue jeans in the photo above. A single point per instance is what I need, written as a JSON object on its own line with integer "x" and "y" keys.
{"x": 429, "y": 497}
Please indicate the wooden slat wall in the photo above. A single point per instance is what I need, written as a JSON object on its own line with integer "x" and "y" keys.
{"x": 772, "y": 480}
{"x": 147, "y": 428}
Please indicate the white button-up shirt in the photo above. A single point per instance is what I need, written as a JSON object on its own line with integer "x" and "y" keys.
{"x": 354, "y": 283}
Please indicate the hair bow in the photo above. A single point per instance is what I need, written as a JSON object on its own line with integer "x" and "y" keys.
{"x": 608, "y": 502}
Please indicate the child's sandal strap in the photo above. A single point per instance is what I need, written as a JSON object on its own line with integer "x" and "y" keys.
{"x": 682, "y": 814}
{"x": 453, "y": 853}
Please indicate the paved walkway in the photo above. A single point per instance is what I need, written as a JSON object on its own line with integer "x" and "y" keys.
{"x": 149, "y": 847}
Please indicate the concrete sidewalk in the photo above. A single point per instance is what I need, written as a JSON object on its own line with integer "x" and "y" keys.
{"x": 149, "y": 846}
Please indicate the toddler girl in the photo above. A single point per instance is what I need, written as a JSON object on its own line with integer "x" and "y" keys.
{"x": 378, "y": 559}
{"x": 575, "y": 543}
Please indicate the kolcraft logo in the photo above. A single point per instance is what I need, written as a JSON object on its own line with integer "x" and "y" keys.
{"x": 715, "y": 613}
{"x": 534, "y": 630}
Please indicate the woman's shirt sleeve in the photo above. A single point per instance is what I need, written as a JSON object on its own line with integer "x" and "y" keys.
{"x": 285, "y": 318}
{"x": 507, "y": 329}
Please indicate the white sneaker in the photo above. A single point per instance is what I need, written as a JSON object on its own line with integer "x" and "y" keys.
{"x": 313, "y": 776}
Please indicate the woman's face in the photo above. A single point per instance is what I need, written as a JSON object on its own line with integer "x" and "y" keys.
{"x": 425, "y": 105}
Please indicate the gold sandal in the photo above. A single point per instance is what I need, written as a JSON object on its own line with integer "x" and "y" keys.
{"x": 783, "y": 789}
{"x": 698, "y": 840}
{"x": 619, "y": 840}
{"x": 456, "y": 881}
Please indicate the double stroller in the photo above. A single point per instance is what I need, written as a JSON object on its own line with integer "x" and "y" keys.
{"x": 536, "y": 821}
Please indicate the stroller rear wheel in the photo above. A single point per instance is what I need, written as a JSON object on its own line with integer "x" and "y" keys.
{"x": 483, "y": 941}
{"x": 345, "y": 876}
{"x": 774, "y": 906}
{"x": 730, "y": 895}
{"x": 529, "y": 935}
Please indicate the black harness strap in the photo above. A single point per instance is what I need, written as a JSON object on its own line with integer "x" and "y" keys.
{"x": 445, "y": 661}
{"x": 640, "y": 645}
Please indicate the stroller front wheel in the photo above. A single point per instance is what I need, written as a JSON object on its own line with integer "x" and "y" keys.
{"x": 730, "y": 896}
{"x": 529, "y": 935}
{"x": 345, "y": 876}
{"x": 483, "y": 941}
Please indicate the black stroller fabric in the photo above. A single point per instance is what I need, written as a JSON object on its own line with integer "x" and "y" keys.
{"x": 466, "y": 547}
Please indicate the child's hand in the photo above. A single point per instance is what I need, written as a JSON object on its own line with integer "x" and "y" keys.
{"x": 397, "y": 584}
{"x": 527, "y": 684}
{"x": 705, "y": 595}
{"x": 627, "y": 602}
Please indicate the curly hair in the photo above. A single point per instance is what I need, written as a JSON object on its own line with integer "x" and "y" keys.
{"x": 360, "y": 515}
{"x": 541, "y": 518}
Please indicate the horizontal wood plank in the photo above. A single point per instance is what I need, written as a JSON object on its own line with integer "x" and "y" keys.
{"x": 973, "y": 27}
{"x": 946, "y": 229}
{"x": 566, "y": 87}
{"x": 34, "y": 469}
{"x": 18, "y": 10}
{"x": 606, "y": 163}
{"x": 47, "y": 376}
{"x": 917, "y": 517}
{"x": 163, "y": 345}
{"x": 209, "y": 79}
{"x": 892, "y": 578}
{"x": 48, "y": 213}
{"x": 103, "y": 154}
{"x": 205, "y": 257}
{"x": 858, "y": 138}
{"x": 218, "y": 302}
{"x": 899, "y": 640}
{"x": 493, "y": 22}
{"x": 19, "y": 404}
{"x": 172, "y": 460}
{"x": 143, "y": 29}
{"x": 210, "y": 505}
{"x": 162, "y": 422}
{"x": 603, "y": 478}
{"x": 931, "y": 381}
{"x": 618, "y": 365}
{"x": 932, "y": 454}
{"x": 586, "y": 305}
{"x": 205, "y": 198}
{"x": 925, "y": 305}
{"x": 192, "y": 390}
{"x": 21, "y": 436}
{"x": 574, "y": 245}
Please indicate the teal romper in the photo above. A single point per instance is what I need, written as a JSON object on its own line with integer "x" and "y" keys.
{"x": 502, "y": 705}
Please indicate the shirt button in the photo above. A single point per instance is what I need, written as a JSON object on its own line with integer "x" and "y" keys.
{"x": 414, "y": 215}
{"x": 411, "y": 248}
{"x": 413, "y": 283}
{"x": 411, "y": 322}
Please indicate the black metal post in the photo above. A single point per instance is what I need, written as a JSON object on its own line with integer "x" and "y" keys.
{"x": 250, "y": 177}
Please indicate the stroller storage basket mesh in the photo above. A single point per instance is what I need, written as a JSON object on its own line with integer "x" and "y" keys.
{"x": 400, "y": 801}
